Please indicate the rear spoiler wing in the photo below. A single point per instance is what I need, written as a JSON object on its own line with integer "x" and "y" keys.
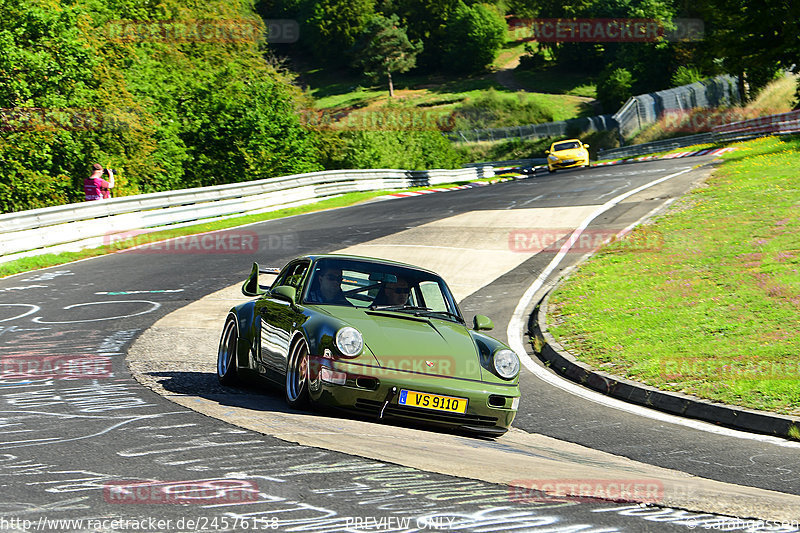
{"x": 251, "y": 287}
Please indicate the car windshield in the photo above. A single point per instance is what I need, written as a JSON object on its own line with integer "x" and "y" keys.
{"x": 566, "y": 146}
{"x": 380, "y": 287}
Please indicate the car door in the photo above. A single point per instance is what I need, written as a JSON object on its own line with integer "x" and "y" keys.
{"x": 278, "y": 320}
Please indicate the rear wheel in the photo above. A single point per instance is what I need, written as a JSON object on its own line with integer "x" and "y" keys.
{"x": 297, "y": 375}
{"x": 226, "y": 355}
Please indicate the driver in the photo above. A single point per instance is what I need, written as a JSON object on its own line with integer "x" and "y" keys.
{"x": 327, "y": 288}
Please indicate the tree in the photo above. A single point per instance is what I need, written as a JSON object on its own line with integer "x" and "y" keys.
{"x": 384, "y": 48}
{"x": 475, "y": 35}
{"x": 754, "y": 38}
{"x": 332, "y": 26}
{"x": 424, "y": 20}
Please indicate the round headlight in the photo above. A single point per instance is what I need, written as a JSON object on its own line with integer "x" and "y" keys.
{"x": 506, "y": 363}
{"x": 349, "y": 341}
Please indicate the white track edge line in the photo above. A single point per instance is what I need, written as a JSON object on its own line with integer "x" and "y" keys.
{"x": 517, "y": 323}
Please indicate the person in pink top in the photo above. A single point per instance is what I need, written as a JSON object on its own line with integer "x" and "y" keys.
{"x": 95, "y": 187}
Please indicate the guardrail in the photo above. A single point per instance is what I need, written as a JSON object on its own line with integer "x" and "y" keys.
{"x": 636, "y": 113}
{"x": 780, "y": 124}
{"x": 655, "y": 146}
{"x": 644, "y": 109}
{"x": 510, "y": 163}
{"x": 88, "y": 224}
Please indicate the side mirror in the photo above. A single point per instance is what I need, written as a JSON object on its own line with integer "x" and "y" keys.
{"x": 547, "y": 152}
{"x": 586, "y": 146}
{"x": 481, "y": 322}
{"x": 250, "y": 287}
{"x": 284, "y": 292}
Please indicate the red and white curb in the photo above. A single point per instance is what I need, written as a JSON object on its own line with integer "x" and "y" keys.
{"x": 674, "y": 155}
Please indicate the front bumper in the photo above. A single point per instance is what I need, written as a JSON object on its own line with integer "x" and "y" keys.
{"x": 491, "y": 408}
{"x": 557, "y": 165}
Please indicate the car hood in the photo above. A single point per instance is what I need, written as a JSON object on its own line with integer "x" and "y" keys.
{"x": 403, "y": 341}
{"x": 575, "y": 153}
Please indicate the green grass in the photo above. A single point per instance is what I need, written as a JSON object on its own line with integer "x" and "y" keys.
{"x": 334, "y": 91}
{"x": 550, "y": 81}
{"x": 710, "y": 306}
{"x": 26, "y": 264}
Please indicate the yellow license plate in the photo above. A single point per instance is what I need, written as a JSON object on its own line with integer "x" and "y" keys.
{"x": 432, "y": 401}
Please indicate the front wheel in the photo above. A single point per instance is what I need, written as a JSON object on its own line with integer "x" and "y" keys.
{"x": 551, "y": 170}
{"x": 226, "y": 355}
{"x": 297, "y": 375}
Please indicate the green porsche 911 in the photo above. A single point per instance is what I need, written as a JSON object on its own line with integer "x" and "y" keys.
{"x": 377, "y": 337}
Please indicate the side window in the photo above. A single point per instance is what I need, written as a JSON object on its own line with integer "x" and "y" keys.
{"x": 432, "y": 295}
{"x": 295, "y": 279}
{"x": 292, "y": 275}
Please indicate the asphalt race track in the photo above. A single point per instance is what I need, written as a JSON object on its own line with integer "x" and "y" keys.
{"x": 76, "y": 424}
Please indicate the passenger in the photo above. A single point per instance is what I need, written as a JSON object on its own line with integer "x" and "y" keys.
{"x": 394, "y": 293}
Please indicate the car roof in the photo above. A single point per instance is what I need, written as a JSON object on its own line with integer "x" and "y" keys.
{"x": 316, "y": 257}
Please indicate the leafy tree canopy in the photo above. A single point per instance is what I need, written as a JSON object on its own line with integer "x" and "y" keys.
{"x": 384, "y": 49}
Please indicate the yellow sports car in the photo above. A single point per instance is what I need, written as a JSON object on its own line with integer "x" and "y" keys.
{"x": 567, "y": 154}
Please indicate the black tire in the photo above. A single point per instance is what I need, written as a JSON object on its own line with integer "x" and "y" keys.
{"x": 551, "y": 170}
{"x": 297, "y": 375}
{"x": 226, "y": 355}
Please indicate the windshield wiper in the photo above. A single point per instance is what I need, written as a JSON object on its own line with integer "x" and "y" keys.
{"x": 429, "y": 312}
{"x": 398, "y": 308}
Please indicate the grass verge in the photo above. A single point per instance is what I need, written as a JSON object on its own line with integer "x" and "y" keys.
{"x": 705, "y": 300}
{"x": 26, "y": 264}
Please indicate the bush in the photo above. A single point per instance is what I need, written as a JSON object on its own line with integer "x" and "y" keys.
{"x": 533, "y": 59}
{"x": 492, "y": 109}
{"x": 410, "y": 150}
{"x": 505, "y": 150}
{"x": 686, "y": 75}
{"x": 474, "y": 36}
{"x": 165, "y": 113}
{"x": 614, "y": 88}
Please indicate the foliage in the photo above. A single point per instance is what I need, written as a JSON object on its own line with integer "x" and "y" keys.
{"x": 333, "y": 26}
{"x": 535, "y": 58}
{"x": 491, "y": 109}
{"x": 753, "y": 39}
{"x": 474, "y": 36}
{"x": 77, "y": 90}
{"x": 384, "y": 48}
{"x": 614, "y": 88}
{"x": 685, "y": 75}
{"x": 505, "y": 150}
{"x": 411, "y": 150}
{"x": 426, "y": 21}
